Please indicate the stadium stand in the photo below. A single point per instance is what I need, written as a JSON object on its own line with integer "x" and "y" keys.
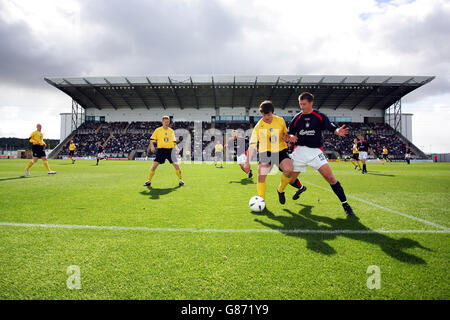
{"x": 122, "y": 112}
{"x": 120, "y": 139}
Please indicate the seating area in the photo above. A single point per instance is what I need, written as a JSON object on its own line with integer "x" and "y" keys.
{"x": 121, "y": 138}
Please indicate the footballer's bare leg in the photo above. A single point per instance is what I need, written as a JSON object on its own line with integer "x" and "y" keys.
{"x": 247, "y": 170}
{"x": 325, "y": 171}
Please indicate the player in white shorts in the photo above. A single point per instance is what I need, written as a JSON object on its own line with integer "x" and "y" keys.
{"x": 363, "y": 147}
{"x": 239, "y": 145}
{"x": 305, "y": 131}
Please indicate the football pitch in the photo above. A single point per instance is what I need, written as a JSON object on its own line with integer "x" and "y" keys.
{"x": 201, "y": 241}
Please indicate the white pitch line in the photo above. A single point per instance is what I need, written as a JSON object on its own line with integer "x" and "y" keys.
{"x": 388, "y": 209}
{"x": 192, "y": 230}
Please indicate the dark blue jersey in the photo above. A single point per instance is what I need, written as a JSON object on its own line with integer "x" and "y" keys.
{"x": 308, "y": 128}
{"x": 363, "y": 146}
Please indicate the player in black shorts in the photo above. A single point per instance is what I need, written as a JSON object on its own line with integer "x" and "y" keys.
{"x": 269, "y": 139}
{"x": 355, "y": 156}
{"x": 37, "y": 139}
{"x": 167, "y": 150}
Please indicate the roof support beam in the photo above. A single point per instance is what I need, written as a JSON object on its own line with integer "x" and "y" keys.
{"x": 156, "y": 92}
{"x": 330, "y": 92}
{"x": 253, "y": 94}
{"x": 175, "y": 92}
{"x": 343, "y": 99}
{"x": 392, "y": 95}
{"x": 76, "y": 89}
{"x": 119, "y": 93}
{"x": 214, "y": 92}
{"x": 232, "y": 92}
{"x": 138, "y": 93}
{"x": 273, "y": 89}
{"x": 291, "y": 93}
{"x": 195, "y": 93}
{"x": 100, "y": 93}
{"x": 317, "y": 85}
{"x": 366, "y": 95}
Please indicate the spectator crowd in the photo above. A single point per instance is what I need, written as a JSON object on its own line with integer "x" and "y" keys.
{"x": 121, "y": 138}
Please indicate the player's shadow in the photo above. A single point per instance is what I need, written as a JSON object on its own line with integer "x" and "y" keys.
{"x": 375, "y": 173}
{"x": 325, "y": 229}
{"x": 16, "y": 178}
{"x": 244, "y": 181}
{"x": 155, "y": 193}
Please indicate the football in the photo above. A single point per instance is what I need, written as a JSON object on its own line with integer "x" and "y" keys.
{"x": 257, "y": 204}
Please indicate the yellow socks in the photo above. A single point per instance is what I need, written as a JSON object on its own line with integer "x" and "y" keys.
{"x": 46, "y": 165}
{"x": 29, "y": 165}
{"x": 150, "y": 176}
{"x": 178, "y": 174}
{"x": 261, "y": 187}
{"x": 284, "y": 182}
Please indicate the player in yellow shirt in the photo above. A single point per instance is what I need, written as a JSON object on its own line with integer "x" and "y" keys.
{"x": 355, "y": 158}
{"x": 269, "y": 135}
{"x": 72, "y": 149}
{"x": 385, "y": 155}
{"x": 218, "y": 154}
{"x": 37, "y": 139}
{"x": 167, "y": 149}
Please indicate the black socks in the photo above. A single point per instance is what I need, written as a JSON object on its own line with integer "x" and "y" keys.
{"x": 337, "y": 188}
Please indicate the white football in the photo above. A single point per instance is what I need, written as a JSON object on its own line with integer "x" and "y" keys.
{"x": 257, "y": 204}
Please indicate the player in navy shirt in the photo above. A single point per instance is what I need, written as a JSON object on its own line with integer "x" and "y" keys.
{"x": 363, "y": 147}
{"x": 305, "y": 131}
{"x": 100, "y": 154}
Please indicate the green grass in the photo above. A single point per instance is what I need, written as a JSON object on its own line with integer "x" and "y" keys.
{"x": 143, "y": 264}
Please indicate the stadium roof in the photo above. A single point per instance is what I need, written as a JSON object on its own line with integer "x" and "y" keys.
{"x": 200, "y": 91}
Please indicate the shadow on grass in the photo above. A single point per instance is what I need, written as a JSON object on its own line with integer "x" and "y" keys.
{"x": 17, "y": 178}
{"x": 304, "y": 219}
{"x": 155, "y": 193}
{"x": 244, "y": 181}
{"x": 376, "y": 173}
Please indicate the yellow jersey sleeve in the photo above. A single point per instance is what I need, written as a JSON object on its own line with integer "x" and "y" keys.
{"x": 72, "y": 147}
{"x": 284, "y": 129}
{"x": 154, "y": 136}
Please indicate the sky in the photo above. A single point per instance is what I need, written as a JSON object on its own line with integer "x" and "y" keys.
{"x": 75, "y": 38}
